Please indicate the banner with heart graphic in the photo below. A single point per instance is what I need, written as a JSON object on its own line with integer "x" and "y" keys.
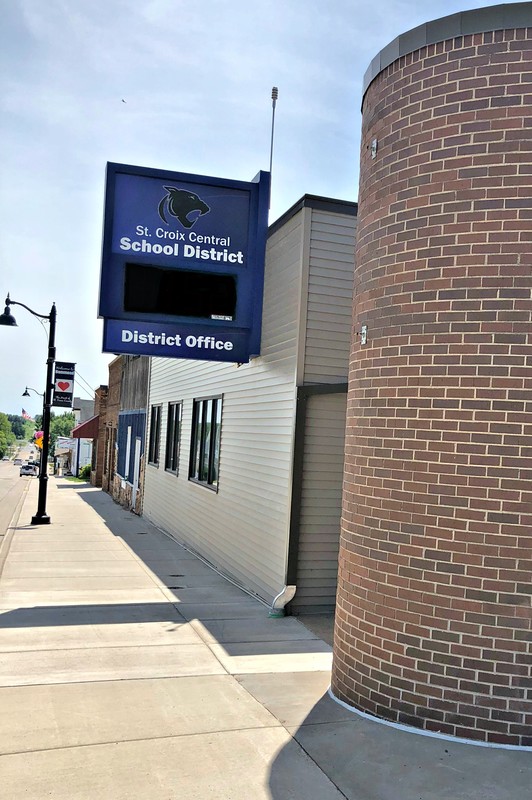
{"x": 64, "y": 384}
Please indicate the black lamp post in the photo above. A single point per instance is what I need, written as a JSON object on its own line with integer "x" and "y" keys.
{"x": 26, "y": 393}
{"x": 41, "y": 517}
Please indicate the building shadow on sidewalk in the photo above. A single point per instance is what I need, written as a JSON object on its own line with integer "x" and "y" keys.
{"x": 102, "y": 614}
{"x": 222, "y": 613}
{"x": 326, "y": 752}
{"x": 367, "y": 760}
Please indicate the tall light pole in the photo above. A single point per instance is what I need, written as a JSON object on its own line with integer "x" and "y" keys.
{"x": 275, "y": 95}
{"x": 41, "y": 517}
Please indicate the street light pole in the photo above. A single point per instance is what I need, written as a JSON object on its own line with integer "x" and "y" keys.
{"x": 41, "y": 517}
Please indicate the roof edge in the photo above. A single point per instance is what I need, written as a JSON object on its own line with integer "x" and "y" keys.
{"x": 479, "y": 20}
{"x": 347, "y": 207}
{"x": 87, "y": 429}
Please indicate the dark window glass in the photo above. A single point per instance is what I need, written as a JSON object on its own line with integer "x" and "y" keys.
{"x": 173, "y": 433}
{"x": 182, "y": 293}
{"x": 205, "y": 443}
{"x": 155, "y": 435}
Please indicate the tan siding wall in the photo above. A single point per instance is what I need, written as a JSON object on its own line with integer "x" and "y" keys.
{"x": 321, "y": 503}
{"x": 330, "y": 297}
{"x": 242, "y": 529}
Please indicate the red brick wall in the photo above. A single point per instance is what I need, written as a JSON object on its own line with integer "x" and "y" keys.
{"x": 98, "y": 445}
{"x": 434, "y": 614}
{"x": 111, "y": 423}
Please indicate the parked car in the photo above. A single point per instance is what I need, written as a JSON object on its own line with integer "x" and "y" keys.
{"x": 5, "y": 458}
{"x": 28, "y": 469}
{"x": 17, "y": 462}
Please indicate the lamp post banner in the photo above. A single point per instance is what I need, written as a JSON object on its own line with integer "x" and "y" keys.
{"x": 64, "y": 384}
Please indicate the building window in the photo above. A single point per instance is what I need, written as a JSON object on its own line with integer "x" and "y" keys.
{"x": 155, "y": 435}
{"x": 205, "y": 443}
{"x": 173, "y": 432}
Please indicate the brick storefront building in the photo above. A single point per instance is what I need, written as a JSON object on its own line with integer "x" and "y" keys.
{"x": 434, "y": 610}
{"x": 98, "y": 450}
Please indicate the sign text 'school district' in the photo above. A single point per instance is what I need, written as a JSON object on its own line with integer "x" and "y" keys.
{"x": 185, "y": 250}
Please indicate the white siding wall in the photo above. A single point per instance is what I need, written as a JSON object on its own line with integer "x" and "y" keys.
{"x": 330, "y": 297}
{"x": 243, "y": 528}
{"x": 321, "y": 503}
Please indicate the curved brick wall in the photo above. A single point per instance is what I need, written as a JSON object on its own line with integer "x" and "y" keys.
{"x": 434, "y": 616}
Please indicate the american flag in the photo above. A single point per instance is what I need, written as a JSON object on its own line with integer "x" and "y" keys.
{"x": 26, "y": 415}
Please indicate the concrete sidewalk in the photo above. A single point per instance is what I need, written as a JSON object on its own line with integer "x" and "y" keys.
{"x": 129, "y": 669}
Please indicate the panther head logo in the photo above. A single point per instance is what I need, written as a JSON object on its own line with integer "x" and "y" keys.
{"x": 180, "y": 203}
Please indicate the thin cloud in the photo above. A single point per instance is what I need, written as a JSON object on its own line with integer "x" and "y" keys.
{"x": 196, "y": 79}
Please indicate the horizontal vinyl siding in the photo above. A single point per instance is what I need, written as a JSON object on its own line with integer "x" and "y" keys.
{"x": 243, "y": 528}
{"x": 330, "y": 297}
{"x": 321, "y": 503}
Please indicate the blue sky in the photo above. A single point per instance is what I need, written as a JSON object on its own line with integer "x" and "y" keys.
{"x": 196, "y": 79}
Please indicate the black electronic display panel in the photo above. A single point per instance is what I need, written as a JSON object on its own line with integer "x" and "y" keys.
{"x": 184, "y": 293}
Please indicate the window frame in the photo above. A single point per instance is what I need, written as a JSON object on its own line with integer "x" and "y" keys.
{"x": 173, "y": 437}
{"x": 204, "y": 461}
{"x": 128, "y": 452}
{"x": 154, "y": 444}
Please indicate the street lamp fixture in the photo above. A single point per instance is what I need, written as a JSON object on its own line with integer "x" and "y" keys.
{"x": 28, "y": 389}
{"x": 41, "y": 517}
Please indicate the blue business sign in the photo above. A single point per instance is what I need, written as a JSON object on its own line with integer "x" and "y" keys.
{"x": 183, "y": 264}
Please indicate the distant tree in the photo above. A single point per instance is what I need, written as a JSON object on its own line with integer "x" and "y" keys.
{"x": 61, "y": 426}
{"x": 17, "y": 425}
{"x": 7, "y": 437}
{"x": 22, "y": 428}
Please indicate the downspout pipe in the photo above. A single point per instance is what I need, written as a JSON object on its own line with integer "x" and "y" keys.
{"x": 280, "y": 601}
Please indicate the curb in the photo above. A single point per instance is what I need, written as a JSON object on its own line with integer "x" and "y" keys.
{"x": 11, "y": 528}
